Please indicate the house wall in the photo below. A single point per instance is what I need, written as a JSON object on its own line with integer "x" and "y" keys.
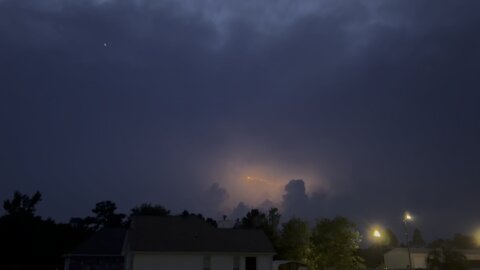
{"x": 194, "y": 261}
{"x": 398, "y": 259}
{"x": 419, "y": 260}
{"x": 94, "y": 263}
{"x": 157, "y": 262}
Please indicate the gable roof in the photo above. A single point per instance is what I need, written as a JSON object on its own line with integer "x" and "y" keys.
{"x": 192, "y": 234}
{"x": 108, "y": 241}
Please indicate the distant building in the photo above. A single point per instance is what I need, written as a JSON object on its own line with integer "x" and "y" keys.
{"x": 183, "y": 243}
{"x": 397, "y": 258}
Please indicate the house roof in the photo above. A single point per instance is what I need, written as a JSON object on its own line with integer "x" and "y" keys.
{"x": 108, "y": 241}
{"x": 192, "y": 234}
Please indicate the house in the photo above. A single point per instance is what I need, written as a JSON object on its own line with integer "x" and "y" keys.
{"x": 181, "y": 243}
{"x": 103, "y": 251}
{"x": 397, "y": 258}
{"x": 186, "y": 243}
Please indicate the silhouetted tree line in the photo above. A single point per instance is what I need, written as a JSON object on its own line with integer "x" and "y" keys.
{"x": 329, "y": 244}
{"x": 28, "y": 241}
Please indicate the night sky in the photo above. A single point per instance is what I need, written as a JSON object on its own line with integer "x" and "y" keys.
{"x": 214, "y": 106}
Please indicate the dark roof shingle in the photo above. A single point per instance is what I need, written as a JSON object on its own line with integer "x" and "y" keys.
{"x": 192, "y": 234}
{"x": 108, "y": 241}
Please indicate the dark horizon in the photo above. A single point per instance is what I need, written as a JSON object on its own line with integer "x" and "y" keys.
{"x": 202, "y": 105}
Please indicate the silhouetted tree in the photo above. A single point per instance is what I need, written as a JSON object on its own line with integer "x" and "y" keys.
{"x": 29, "y": 242}
{"x": 22, "y": 204}
{"x": 294, "y": 240}
{"x": 461, "y": 241}
{"x": 334, "y": 245}
{"x": 417, "y": 239}
{"x": 147, "y": 209}
{"x": 271, "y": 227}
{"x": 185, "y": 213}
{"x": 439, "y": 242}
{"x": 210, "y": 221}
{"x": 446, "y": 258}
{"x": 391, "y": 239}
{"x": 273, "y": 218}
{"x": 87, "y": 224}
{"x": 254, "y": 219}
{"x": 268, "y": 223}
{"x": 105, "y": 215}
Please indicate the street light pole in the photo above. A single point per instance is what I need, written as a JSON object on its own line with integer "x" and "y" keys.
{"x": 406, "y": 218}
{"x": 377, "y": 235}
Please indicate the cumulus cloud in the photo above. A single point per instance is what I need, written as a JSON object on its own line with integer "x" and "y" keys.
{"x": 240, "y": 211}
{"x": 295, "y": 200}
{"x": 214, "y": 199}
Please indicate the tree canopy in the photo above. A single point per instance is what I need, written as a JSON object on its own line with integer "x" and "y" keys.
{"x": 446, "y": 258}
{"x": 294, "y": 241}
{"x": 22, "y": 204}
{"x": 31, "y": 242}
{"x": 148, "y": 209}
{"x": 335, "y": 244}
{"x": 417, "y": 239}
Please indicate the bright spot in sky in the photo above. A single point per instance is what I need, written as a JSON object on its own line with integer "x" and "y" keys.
{"x": 407, "y": 217}
{"x": 104, "y": 44}
{"x": 256, "y": 179}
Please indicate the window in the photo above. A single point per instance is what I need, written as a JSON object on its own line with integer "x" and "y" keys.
{"x": 251, "y": 263}
{"x": 236, "y": 263}
{"x": 206, "y": 262}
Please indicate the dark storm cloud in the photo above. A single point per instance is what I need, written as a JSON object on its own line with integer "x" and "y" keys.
{"x": 295, "y": 201}
{"x": 212, "y": 202}
{"x": 240, "y": 211}
{"x": 376, "y": 103}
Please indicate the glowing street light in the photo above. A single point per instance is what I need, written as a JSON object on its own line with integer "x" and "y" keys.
{"x": 407, "y": 217}
{"x": 377, "y": 234}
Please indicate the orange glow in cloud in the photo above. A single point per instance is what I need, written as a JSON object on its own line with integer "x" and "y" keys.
{"x": 254, "y": 185}
{"x": 251, "y": 177}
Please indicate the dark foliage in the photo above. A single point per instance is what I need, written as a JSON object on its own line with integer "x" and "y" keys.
{"x": 459, "y": 241}
{"x": 256, "y": 219}
{"x": 417, "y": 239}
{"x": 335, "y": 245}
{"x": 446, "y": 257}
{"x": 147, "y": 209}
{"x": 30, "y": 242}
{"x": 210, "y": 221}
